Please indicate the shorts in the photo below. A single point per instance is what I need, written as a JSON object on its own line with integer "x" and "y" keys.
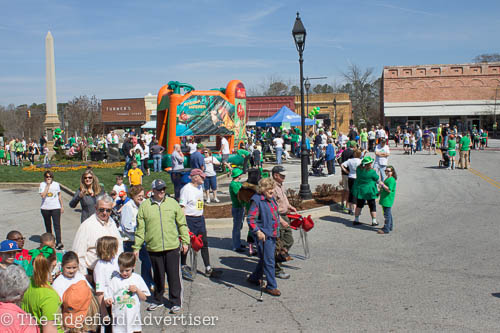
{"x": 196, "y": 224}
{"x": 210, "y": 183}
{"x": 406, "y": 145}
{"x": 350, "y": 183}
{"x": 225, "y": 158}
{"x": 433, "y": 145}
{"x": 371, "y": 203}
{"x": 452, "y": 153}
{"x": 345, "y": 182}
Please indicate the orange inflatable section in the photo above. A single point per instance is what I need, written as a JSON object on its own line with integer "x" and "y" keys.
{"x": 167, "y": 118}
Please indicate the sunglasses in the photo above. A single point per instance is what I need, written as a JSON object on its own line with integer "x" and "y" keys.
{"x": 48, "y": 176}
{"x": 162, "y": 190}
{"x": 107, "y": 210}
{"x": 88, "y": 177}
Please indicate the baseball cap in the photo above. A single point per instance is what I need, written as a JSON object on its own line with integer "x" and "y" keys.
{"x": 200, "y": 146}
{"x": 76, "y": 301}
{"x": 122, "y": 193}
{"x": 158, "y": 184}
{"x": 279, "y": 169}
{"x": 197, "y": 172}
{"x": 8, "y": 246}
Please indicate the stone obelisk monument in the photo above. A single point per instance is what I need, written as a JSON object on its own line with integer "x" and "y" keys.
{"x": 51, "y": 119}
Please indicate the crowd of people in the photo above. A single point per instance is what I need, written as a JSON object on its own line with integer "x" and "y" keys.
{"x": 54, "y": 290}
{"x": 59, "y": 290}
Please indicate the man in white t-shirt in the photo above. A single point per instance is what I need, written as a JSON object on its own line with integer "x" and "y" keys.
{"x": 343, "y": 139}
{"x": 192, "y": 146}
{"x": 381, "y": 157}
{"x": 278, "y": 145}
{"x": 224, "y": 151}
{"x": 191, "y": 200}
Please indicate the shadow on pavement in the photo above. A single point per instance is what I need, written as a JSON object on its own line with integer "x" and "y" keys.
{"x": 35, "y": 238}
{"x": 495, "y": 295}
{"x": 348, "y": 223}
{"x": 220, "y": 243}
{"x": 435, "y": 167}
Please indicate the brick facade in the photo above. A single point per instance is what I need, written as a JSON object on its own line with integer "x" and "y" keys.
{"x": 460, "y": 93}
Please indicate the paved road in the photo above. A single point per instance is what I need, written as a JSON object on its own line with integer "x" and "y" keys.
{"x": 438, "y": 270}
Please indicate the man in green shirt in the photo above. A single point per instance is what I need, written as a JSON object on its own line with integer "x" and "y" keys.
{"x": 238, "y": 211}
{"x": 464, "y": 151}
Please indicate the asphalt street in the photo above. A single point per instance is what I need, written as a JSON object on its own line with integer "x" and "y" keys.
{"x": 437, "y": 271}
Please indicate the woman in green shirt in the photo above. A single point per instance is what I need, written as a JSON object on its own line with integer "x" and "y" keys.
{"x": 365, "y": 189}
{"x": 387, "y": 194}
{"x": 41, "y": 300}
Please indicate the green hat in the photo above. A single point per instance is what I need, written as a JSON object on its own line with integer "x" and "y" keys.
{"x": 367, "y": 160}
{"x": 236, "y": 172}
{"x": 352, "y": 144}
{"x": 200, "y": 146}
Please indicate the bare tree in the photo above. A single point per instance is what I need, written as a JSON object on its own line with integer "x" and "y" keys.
{"x": 487, "y": 57}
{"x": 363, "y": 91}
{"x": 83, "y": 115}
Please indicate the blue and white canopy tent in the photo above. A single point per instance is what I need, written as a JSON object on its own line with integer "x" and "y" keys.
{"x": 284, "y": 115}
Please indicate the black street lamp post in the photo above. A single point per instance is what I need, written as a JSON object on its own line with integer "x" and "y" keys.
{"x": 335, "y": 112}
{"x": 307, "y": 85}
{"x": 299, "y": 36}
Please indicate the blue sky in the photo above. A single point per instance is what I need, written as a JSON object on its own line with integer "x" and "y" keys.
{"x": 121, "y": 49}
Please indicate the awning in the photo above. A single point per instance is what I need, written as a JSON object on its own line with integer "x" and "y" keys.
{"x": 149, "y": 125}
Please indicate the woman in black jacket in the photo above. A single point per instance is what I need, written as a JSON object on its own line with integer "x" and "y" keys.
{"x": 87, "y": 193}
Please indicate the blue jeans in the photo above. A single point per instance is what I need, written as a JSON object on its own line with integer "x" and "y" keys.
{"x": 238, "y": 214}
{"x": 388, "y": 219}
{"x": 128, "y": 161}
{"x": 419, "y": 144}
{"x": 266, "y": 262}
{"x": 145, "y": 262}
{"x": 317, "y": 150}
{"x": 279, "y": 154}
{"x": 157, "y": 162}
{"x": 381, "y": 170}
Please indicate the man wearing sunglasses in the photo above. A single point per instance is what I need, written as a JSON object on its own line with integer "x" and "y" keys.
{"x": 98, "y": 225}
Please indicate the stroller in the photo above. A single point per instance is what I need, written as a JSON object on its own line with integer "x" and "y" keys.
{"x": 445, "y": 162}
{"x": 317, "y": 167}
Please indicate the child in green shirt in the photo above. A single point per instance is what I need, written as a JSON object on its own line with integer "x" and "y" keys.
{"x": 387, "y": 194}
{"x": 138, "y": 157}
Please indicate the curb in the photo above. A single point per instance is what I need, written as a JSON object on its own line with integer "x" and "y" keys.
{"x": 31, "y": 185}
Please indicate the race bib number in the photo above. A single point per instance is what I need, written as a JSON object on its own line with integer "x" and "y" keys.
{"x": 199, "y": 204}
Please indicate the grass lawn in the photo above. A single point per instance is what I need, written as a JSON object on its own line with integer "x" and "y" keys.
{"x": 71, "y": 179}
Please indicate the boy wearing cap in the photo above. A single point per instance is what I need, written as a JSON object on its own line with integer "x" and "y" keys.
{"x": 8, "y": 251}
{"x": 191, "y": 200}
{"x": 122, "y": 200}
{"x": 238, "y": 211}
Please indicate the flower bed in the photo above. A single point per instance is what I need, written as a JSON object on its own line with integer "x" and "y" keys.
{"x": 73, "y": 167}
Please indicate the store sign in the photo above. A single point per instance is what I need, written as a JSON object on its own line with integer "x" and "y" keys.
{"x": 119, "y": 110}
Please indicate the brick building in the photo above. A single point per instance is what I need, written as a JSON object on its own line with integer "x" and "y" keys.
{"x": 128, "y": 112}
{"x": 262, "y": 107}
{"x": 427, "y": 95}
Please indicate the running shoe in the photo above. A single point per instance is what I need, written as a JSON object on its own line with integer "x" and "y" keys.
{"x": 154, "y": 306}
